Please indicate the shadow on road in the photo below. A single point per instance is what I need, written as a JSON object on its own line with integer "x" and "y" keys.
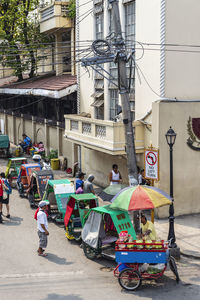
{"x": 13, "y": 221}
{"x": 57, "y": 260}
{"x": 63, "y": 297}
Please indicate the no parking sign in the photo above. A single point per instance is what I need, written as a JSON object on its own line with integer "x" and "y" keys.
{"x": 151, "y": 164}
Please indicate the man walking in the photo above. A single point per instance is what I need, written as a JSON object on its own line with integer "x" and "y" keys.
{"x": 42, "y": 226}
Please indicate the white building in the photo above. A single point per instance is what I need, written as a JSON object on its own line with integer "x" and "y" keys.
{"x": 166, "y": 92}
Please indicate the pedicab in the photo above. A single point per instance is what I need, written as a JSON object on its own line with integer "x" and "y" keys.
{"x": 13, "y": 167}
{"x": 38, "y": 183}
{"x": 24, "y": 178}
{"x": 4, "y": 145}
{"x": 102, "y": 229}
{"x": 139, "y": 259}
{"x": 57, "y": 192}
{"x": 77, "y": 209}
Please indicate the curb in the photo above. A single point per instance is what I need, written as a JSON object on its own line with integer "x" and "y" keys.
{"x": 190, "y": 255}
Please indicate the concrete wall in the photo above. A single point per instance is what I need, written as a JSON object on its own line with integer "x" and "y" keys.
{"x": 147, "y": 31}
{"x": 100, "y": 164}
{"x": 86, "y": 31}
{"x": 186, "y": 161}
{"x": 182, "y": 68}
{"x": 51, "y": 136}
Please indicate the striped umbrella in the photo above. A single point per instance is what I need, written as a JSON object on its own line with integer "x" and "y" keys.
{"x": 140, "y": 197}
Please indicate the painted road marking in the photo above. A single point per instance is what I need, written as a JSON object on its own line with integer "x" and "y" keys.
{"x": 36, "y": 275}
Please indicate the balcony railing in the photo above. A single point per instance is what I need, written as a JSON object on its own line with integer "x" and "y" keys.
{"x": 101, "y": 135}
{"x": 55, "y": 15}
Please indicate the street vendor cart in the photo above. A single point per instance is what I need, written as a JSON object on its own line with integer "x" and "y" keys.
{"x": 77, "y": 210}
{"x": 57, "y": 192}
{"x": 38, "y": 183}
{"x": 142, "y": 261}
{"x": 139, "y": 259}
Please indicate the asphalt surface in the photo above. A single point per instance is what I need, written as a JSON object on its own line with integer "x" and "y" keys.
{"x": 66, "y": 273}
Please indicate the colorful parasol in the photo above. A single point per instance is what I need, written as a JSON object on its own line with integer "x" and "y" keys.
{"x": 140, "y": 197}
{"x": 108, "y": 193}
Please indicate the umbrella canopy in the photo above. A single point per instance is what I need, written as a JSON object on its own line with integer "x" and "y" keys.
{"x": 108, "y": 193}
{"x": 140, "y": 197}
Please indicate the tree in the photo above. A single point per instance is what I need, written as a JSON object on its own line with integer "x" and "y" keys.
{"x": 20, "y": 35}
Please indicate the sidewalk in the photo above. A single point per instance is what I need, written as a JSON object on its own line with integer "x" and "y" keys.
{"x": 187, "y": 231}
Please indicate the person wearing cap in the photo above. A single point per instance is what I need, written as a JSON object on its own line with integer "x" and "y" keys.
{"x": 42, "y": 226}
{"x": 79, "y": 180}
{"x": 148, "y": 229}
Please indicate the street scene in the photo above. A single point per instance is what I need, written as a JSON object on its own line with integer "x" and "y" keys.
{"x": 99, "y": 149}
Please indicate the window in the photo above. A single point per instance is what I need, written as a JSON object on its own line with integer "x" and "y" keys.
{"x": 99, "y": 26}
{"x": 130, "y": 24}
{"x": 129, "y": 8}
{"x": 98, "y": 104}
{"x": 114, "y": 100}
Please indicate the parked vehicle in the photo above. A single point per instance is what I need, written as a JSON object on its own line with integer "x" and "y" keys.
{"x": 101, "y": 231}
{"x": 142, "y": 261}
{"x": 77, "y": 210}
{"x": 57, "y": 192}
{"x": 4, "y": 145}
{"x": 24, "y": 178}
{"x": 38, "y": 183}
{"x": 13, "y": 167}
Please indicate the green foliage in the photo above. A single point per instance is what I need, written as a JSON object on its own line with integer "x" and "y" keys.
{"x": 72, "y": 9}
{"x": 52, "y": 154}
{"x": 20, "y": 35}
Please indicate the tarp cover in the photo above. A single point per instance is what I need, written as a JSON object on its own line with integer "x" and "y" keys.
{"x": 90, "y": 232}
{"x": 4, "y": 141}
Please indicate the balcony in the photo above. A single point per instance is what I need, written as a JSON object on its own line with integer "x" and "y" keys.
{"x": 54, "y": 16}
{"x": 101, "y": 135}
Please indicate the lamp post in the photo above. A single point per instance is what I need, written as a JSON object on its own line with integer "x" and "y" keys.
{"x": 171, "y": 137}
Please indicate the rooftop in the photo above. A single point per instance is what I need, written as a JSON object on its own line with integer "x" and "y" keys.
{"x": 47, "y": 85}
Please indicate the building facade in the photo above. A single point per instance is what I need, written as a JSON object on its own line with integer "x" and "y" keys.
{"x": 165, "y": 92}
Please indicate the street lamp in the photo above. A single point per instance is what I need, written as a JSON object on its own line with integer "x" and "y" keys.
{"x": 171, "y": 137}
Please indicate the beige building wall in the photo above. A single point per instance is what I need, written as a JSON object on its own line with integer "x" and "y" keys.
{"x": 100, "y": 164}
{"x": 86, "y": 33}
{"x": 147, "y": 31}
{"x": 186, "y": 161}
{"x": 15, "y": 126}
{"x": 182, "y": 68}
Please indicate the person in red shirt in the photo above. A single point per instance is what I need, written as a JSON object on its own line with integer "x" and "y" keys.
{"x": 2, "y": 186}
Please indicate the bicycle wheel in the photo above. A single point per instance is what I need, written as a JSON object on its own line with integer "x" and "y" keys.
{"x": 89, "y": 252}
{"x": 173, "y": 267}
{"x": 129, "y": 279}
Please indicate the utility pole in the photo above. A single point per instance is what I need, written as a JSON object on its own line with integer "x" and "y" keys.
{"x": 121, "y": 60}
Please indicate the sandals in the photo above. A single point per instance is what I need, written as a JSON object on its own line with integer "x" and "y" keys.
{"x": 43, "y": 254}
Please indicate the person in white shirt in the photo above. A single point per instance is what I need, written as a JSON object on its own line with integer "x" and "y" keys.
{"x": 115, "y": 176}
{"x": 42, "y": 226}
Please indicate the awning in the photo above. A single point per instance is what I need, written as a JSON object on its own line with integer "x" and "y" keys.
{"x": 98, "y": 103}
{"x": 97, "y": 94}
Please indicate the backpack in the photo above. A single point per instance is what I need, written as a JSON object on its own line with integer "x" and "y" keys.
{"x": 9, "y": 191}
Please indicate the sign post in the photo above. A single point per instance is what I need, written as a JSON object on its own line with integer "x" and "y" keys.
{"x": 151, "y": 168}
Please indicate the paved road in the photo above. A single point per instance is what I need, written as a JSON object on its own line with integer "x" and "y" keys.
{"x": 67, "y": 273}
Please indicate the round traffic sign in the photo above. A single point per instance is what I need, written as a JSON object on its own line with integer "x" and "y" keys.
{"x": 151, "y": 158}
